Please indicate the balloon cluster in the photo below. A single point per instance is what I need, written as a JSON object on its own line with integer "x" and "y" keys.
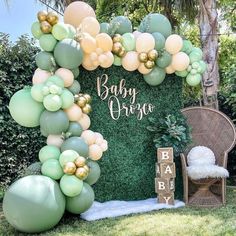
{"x": 83, "y": 101}
{"x": 47, "y": 20}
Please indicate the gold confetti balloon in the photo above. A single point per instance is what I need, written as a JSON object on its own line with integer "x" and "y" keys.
{"x": 80, "y": 161}
{"x": 152, "y": 55}
{"x": 42, "y": 16}
{"x": 86, "y": 168}
{"x": 117, "y": 38}
{"x": 143, "y": 57}
{"x": 122, "y": 52}
{"x": 117, "y": 47}
{"x": 81, "y": 173}
{"x": 88, "y": 98}
{"x": 87, "y": 109}
{"x": 69, "y": 168}
{"x": 45, "y": 27}
{"x": 149, "y": 64}
{"x": 82, "y": 101}
{"x": 52, "y": 18}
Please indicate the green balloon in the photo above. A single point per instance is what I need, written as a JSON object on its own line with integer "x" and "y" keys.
{"x": 70, "y": 185}
{"x": 33, "y": 169}
{"x": 202, "y": 67}
{"x": 60, "y": 31}
{"x": 155, "y": 22}
{"x": 75, "y": 87}
{"x": 77, "y": 144}
{"x": 75, "y": 129}
{"x": 194, "y": 57}
{"x": 71, "y": 30}
{"x": 37, "y": 92}
{"x": 75, "y": 72}
{"x": 104, "y": 27}
{"x": 47, "y": 42}
{"x": 35, "y": 30}
{"x": 67, "y": 98}
{"x": 121, "y": 25}
{"x": 197, "y": 50}
{"x": 155, "y": 77}
{"x": 117, "y": 61}
{"x": 52, "y": 102}
{"x": 34, "y": 204}
{"x": 52, "y": 169}
{"x": 193, "y": 71}
{"x": 24, "y": 109}
{"x": 56, "y": 80}
{"x": 49, "y": 152}
{"x": 68, "y": 54}
{"x": 94, "y": 172}
{"x": 45, "y": 61}
{"x": 128, "y": 42}
{"x": 183, "y": 73}
{"x": 164, "y": 59}
{"x": 54, "y": 122}
{"x": 81, "y": 202}
{"x": 187, "y": 46}
{"x": 193, "y": 80}
{"x": 159, "y": 40}
{"x": 67, "y": 156}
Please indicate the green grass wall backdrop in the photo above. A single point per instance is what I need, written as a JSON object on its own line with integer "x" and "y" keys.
{"x": 128, "y": 167}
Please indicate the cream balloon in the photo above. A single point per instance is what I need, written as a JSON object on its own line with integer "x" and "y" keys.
{"x": 88, "y": 43}
{"x": 84, "y": 121}
{"x": 74, "y": 113}
{"x": 130, "y": 61}
{"x": 96, "y": 63}
{"x": 98, "y": 135}
{"x": 76, "y": 12}
{"x": 169, "y": 70}
{"x": 95, "y": 152}
{"x": 93, "y": 56}
{"x": 89, "y": 137}
{"x": 99, "y": 51}
{"x": 173, "y": 44}
{"x": 108, "y": 61}
{"x": 90, "y": 25}
{"x": 104, "y": 146}
{"x": 143, "y": 70}
{"x": 104, "y": 42}
{"x": 136, "y": 33}
{"x": 40, "y": 76}
{"x": 180, "y": 61}
{"x": 55, "y": 140}
{"x": 145, "y": 42}
{"x": 99, "y": 141}
{"x": 66, "y": 75}
{"x": 87, "y": 63}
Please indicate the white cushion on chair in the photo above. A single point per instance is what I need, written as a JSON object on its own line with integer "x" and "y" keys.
{"x": 206, "y": 171}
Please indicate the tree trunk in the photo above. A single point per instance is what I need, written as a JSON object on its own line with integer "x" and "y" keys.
{"x": 208, "y": 24}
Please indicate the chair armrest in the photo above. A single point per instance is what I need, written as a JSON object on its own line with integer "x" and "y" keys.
{"x": 225, "y": 160}
{"x": 183, "y": 161}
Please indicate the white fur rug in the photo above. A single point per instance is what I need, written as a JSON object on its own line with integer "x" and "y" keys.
{"x": 120, "y": 208}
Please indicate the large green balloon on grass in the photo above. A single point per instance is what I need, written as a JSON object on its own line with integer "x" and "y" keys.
{"x": 75, "y": 129}
{"x": 68, "y": 54}
{"x": 155, "y": 77}
{"x": 164, "y": 59}
{"x": 49, "y": 152}
{"x": 159, "y": 40}
{"x": 121, "y": 25}
{"x": 35, "y": 30}
{"x": 52, "y": 169}
{"x": 155, "y": 22}
{"x": 34, "y": 204}
{"x": 47, "y": 42}
{"x": 45, "y": 61}
{"x": 54, "y": 122}
{"x": 104, "y": 27}
{"x": 94, "y": 172}
{"x": 24, "y": 109}
{"x": 77, "y": 144}
{"x": 128, "y": 41}
{"x": 81, "y": 202}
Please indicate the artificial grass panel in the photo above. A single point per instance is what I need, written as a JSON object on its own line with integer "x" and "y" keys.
{"x": 128, "y": 167}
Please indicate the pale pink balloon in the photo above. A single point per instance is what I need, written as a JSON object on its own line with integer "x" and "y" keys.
{"x": 90, "y": 25}
{"x": 130, "y": 61}
{"x": 104, "y": 146}
{"x": 95, "y": 152}
{"x": 143, "y": 70}
{"x": 180, "y": 61}
{"x": 40, "y": 76}
{"x": 136, "y": 33}
{"x": 173, "y": 44}
{"x": 99, "y": 141}
{"x": 109, "y": 60}
{"x": 145, "y": 42}
{"x": 98, "y": 135}
{"x": 55, "y": 140}
{"x": 66, "y": 75}
{"x": 84, "y": 121}
{"x": 74, "y": 113}
{"x": 89, "y": 137}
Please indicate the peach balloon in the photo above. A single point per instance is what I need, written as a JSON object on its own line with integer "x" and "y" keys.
{"x": 102, "y": 58}
{"x": 98, "y": 135}
{"x": 169, "y": 69}
{"x": 99, "y": 51}
{"x": 99, "y": 141}
{"x": 87, "y": 63}
{"x": 40, "y": 76}
{"x": 96, "y": 63}
{"x": 90, "y": 25}
{"x": 173, "y": 44}
{"x": 76, "y": 12}
{"x": 109, "y": 60}
{"x": 180, "y": 61}
{"x": 93, "y": 56}
{"x": 145, "y": 42}
{"x": 95, "y": 152}
{"x": 88, "y": 44}
{"x": 74, "y": 113}
{"x": 84, "y": 121}
{"x": 130, "y": 61}
{"x": 66, "y": 75}
{"x": 88, "y": 136}
{"x": 104, "y": 146}
{"x": 104, "y": 42}
{"x": 55, "y": 140}
{"x": 143, "y": 70}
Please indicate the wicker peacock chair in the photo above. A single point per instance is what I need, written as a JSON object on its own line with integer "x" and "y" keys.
{"x": 216, "y": 131}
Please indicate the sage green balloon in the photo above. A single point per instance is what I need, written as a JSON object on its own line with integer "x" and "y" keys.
{"x": 36, "y": 30}
{"x": 75, "y": 72}
{"x": 164, "y": 59}
{"x": 24, "y": 109}
{"x": 52, "y": 102}
{"x": 117, "y": 61}
{"x": 195, "y": 56}
{"x": 159, "y": 40}
{"x": 94, "y": 172}
{"x": 183, "y": 73}
{"x": 75, "y": 87}
{"x": 47, "y": 42}
{"x": 52, "y": 168}
{"x": 49, "y": 152}
{"x": 77, "y": 144}
{"x": 70, "y": 185}
{"x": 45, "y": 61}
{"x": 68, "y": 54}
{"x": 37, "y": 92}
{"x": 197, "y": 50}
{"x": 67, "y": 98}
{"x": 187, "y": 46}
{"x": 33, "y": 204}
{"x": 56, "y": 80}
{"x": 60, "y": 31}
{"x": 155, "y": 77}
{"x": 54, "y": 122}
{"x": 71, "y": 30}
{"x": 193, "y": 80}
{"x": 67, "y": 156}
{"x": 81, "y": 202}
{"x": 202, "y": 67}
{"x": 104, "y": 27}
{"x": 75, "y": 129}
{"x": 121, "y": 25}
{"x": 128, "y": 42}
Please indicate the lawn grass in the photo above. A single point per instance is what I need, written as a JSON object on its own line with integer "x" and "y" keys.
{"x": 182, "y": 221}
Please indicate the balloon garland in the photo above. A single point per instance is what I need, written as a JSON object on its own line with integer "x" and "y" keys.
{"x": 55, "y": 103}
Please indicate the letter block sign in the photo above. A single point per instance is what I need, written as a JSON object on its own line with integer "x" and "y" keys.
{"x": 165, "y": 175}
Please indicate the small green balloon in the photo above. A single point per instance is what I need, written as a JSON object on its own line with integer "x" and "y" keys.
{"x": 35, "y": 30}
{"x": 159, "y": 40}
{"x": 75, "y": 129}
{"x": 60, "y": 31}
{"x": 155, "y": 77}
{"x": 104, "y": 27}
{"x": 183, "y": 73}
{"x": 81, "y": 202}
{"x": 47, "y": 42}
{"x": 75, "y": 87}
{"x": 164, "y": 59}
{"x": 75, "y": 72}
{"x": 202, "y": 66}
{"x": 187, "y": 46}
{"x": 94, "y": 172}
{"x": 45, "y": 61}
{"x": 70, "y": 185}
{"x": 49, "y": 152}
{"x": 128, "y": 41}
{"x": 67, "y": 156}
{"x": 71, "y": 30}
{"x": 193, "y": 71}
{"x": 37, "y": 92}
{"x": 52, "y": 102}
{"x": 195, "y": 57}
{"x": 195, "y": 65}
{"x": 197, "y": 50}
{"x": 67, "y": 98}
{"x": 52, "y": 168}
{"x": 193, "y": 80}
{"x": 121, "y": 25}
{"x": 56, "y": 80}
{"x": 117, "y": 61}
